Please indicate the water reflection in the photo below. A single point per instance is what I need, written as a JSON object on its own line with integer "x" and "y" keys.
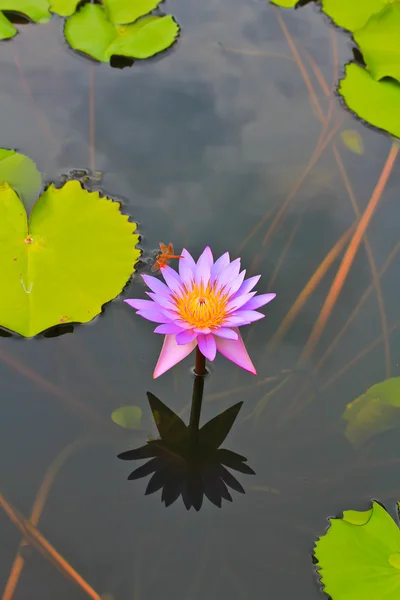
{"x": 187, "y": 460}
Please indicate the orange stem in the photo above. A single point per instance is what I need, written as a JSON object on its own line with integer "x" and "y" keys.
{"x": 44, "y": 547}
{"x": 310, "y": 287}
{"x": 349, "y": 256}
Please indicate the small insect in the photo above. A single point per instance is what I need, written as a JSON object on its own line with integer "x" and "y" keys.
{"x": 163, "y": 257}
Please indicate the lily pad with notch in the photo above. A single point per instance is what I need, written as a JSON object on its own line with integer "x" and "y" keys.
{"x": 75, "y": 253}
{"x": 91, "y": 32}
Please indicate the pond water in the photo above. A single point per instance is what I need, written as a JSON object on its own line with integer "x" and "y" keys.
{"x": 202, "y": 145}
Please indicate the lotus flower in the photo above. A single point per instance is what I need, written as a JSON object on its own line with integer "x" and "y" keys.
{"x": 203, "y": 304}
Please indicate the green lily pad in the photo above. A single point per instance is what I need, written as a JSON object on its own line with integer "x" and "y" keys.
{"x": 145, "y": 38}
{"x": 7, "y": 29}
{"x": 379, "y": 43}
{"x": 285, "y": 3}
{"x": 21, "y": 173}
{"x": 64, "y": 8}
{"x": 90, "y": 31}
{"x": 36, "y": 10}
{"x": 374, "y": 412}
{"x": 359, "y": 557}
{"x": 129, "y": 417}
{"x": 75, "y": 253}
{"x": 377, "y": 102}
{"x": 126, "y": 11}
{"x": 352, "y": 14}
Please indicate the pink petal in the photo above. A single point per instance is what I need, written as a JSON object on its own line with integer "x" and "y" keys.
{"x": 185, "y": 337}
{"x": 140, "y": 304}
{"x": 153, "y": 315}
{"x": 156, "y": 285}
{"x": 249, "y": 315}
{"x": 168, "y": 328}
{"x": 235, "y": 350}
{"x": 239, "y": 301}
{"x": 172, "y": 279}
{"x": 220, "y": 264}
{"x": 258, "y": 301}
{"x": 236, "y": 283}
{"x": 226, "y": 333}
{"x": 171, "y": 354}
{"x": 187, "y": 267}
{"x": 248, "y": 285}
{"x": 203, "y": 267}
{"x": 227, "y": 275}
{"x": 207, "y": 345}
{"x": 162, "y": 301}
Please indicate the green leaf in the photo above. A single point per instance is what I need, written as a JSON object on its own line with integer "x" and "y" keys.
{"x": 75, "y": 254}
{"x": 359, "y": 559}
{"x": 145, "y": 38}
{"x": 214, "y": 432}
{"x": 377, "y": 102}
{"x": 64, "y": 8}
{"x": 352, "y": 14}
{"x": 90, "y": 31}
{"x": 376, "y": 411}
{"x": 170, "y": 426}
{"x": 129, "y": 417}
{"x": 7, "y": 29}
{"x": 352, "y": 140}
{"x": 285, "y": 3}
{"x": 36, "y": 10}
{"x": 379, "y": 43}
{"x": 21, "y": 173}
{"x": 127, "y": 11}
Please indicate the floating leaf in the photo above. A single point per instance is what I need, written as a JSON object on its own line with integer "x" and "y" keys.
{"x": 352, "y": 140}
{"x": 90, "y": 31}
{"x": 36, "y": 10}
{"x": 126, "y": 11}
{"x": 64, "y": 8}
{"x": 377, "y": 102}
{"x": 7, "y": 29}
{"x": 379, "y": 43}
{"x": 21, "y": 173}
{"x": 359, "y": 556}
{"x": 352, "y": 14}
{"x": 128, "y": 416}
{"x": 75, "y": 253}
{"x": 376, "y": 411}
{"x": 145, "y": 38}
{"x": 285, "y": 3}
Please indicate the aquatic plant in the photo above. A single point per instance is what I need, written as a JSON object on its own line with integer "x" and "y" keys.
{"x": 203, "y": 304}
{"x": 375, "y": 411}
{"x": 114, "y": 27}
{"x": 370, "y": 89}
{"x": 359, "y": 556}
{"x": 74, "y": 253}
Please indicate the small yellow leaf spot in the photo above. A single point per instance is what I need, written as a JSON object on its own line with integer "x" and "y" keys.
{"x": 122, "y": 30}
{"x": 353, "y": 141}
{"x": 394, "y": 560}
{"x": 64, "y": 319}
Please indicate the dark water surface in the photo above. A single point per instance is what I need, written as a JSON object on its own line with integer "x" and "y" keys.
{"x": 200, "y": 144}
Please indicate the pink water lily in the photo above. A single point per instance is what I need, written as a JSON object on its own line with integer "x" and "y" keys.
{"x": 203, "y": 304}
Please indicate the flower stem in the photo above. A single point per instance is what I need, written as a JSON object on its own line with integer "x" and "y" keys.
{"x": 200, "y": 364}
{"x": 197, "y": 400}
{"x": 197, "y": 396}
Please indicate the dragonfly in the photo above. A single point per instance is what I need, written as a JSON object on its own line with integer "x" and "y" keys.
{"x": 163, "y": 257}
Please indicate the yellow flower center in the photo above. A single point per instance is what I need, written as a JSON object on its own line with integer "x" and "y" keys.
{"x": 202, "y": 307}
